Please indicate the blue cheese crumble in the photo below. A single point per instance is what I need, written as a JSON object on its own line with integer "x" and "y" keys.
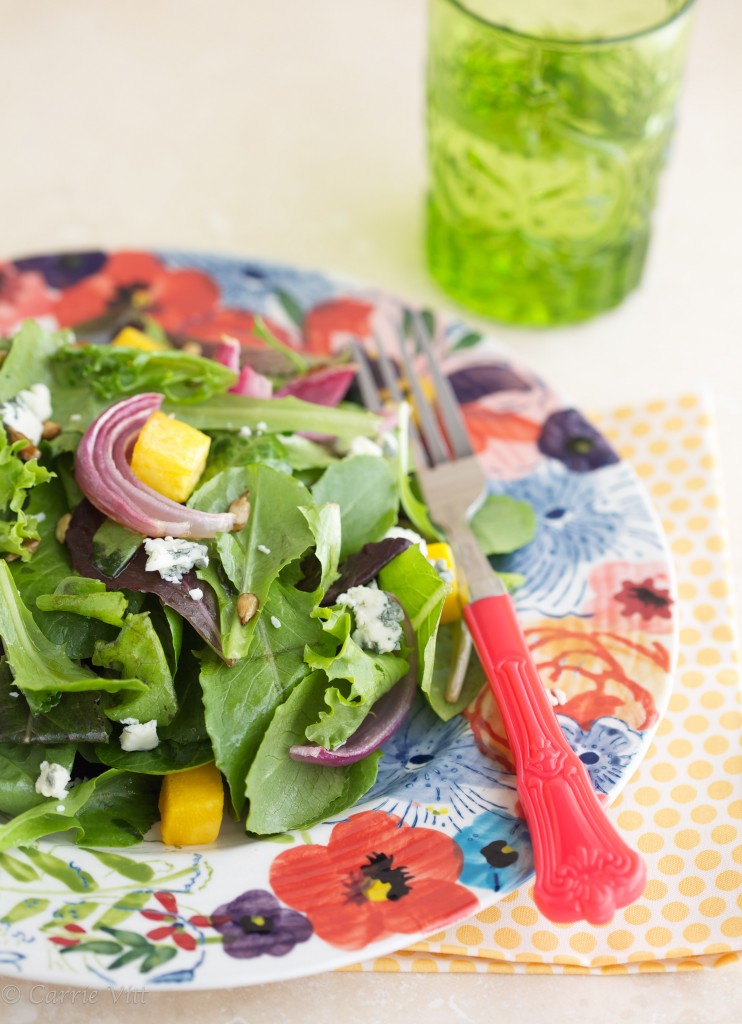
{"x": 52, "y": 781}
{"x": 138, "y": 735}
{"x": 173, "y": 557}
{"x": 377, "y": 619}
{"x": 27, "y": 412}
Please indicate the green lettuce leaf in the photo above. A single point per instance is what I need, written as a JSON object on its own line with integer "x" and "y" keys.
{"x": 365, "y": 677}
{"x": 275, "y": 534}
{"x": 113, "y": 809}
{"x": 41, "y": 670}
{"x": 447, "y": 653}
{"x": 324, "y": 522}
{"x": 280, "y": 416}
{"x": 365, "y": 488}
{"x": 422, "y": 594}
{"x": 138, "y": 655}
{"x": 80, "y": 596}
{"x": 19, "y": 770}
{"x": 286, "y": 794}
{"x": 184, "y": 742}
{"x": 240, "y": 700}
{"x": 29, "y": 360}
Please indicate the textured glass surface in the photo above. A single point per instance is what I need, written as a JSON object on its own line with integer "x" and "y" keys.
{"x": 544, "y": 159}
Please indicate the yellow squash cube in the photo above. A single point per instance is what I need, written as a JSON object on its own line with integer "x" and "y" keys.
{"x": 452, "y": 608}
{"x": 191, "y": 806}
{"x": 170, "y": 456}
{"x": 131, "y": 337}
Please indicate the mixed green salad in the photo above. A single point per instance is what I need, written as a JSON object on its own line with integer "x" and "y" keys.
{"x": 275, "y": 620}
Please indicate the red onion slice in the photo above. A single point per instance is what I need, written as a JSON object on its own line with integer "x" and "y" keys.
{"x": 249, "y": 382}
{"x": 106, "y": 479}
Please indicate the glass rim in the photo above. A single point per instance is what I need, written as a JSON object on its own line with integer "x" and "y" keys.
{"x": 577, "y": 44}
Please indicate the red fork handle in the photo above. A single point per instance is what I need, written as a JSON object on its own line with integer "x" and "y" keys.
{"x": 584, "y": 869}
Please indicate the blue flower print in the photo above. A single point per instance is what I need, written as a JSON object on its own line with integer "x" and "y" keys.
{"x": 606, "y": 749}
{"x": 497, "y": 852}
{"x": 581, "y": 518}
{"x": 433, "y": 773}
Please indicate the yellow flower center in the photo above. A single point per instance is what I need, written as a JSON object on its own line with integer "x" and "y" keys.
{"x": 377, "y": 891}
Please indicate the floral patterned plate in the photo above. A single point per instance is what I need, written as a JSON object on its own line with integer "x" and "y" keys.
{"x": 438, "y": 837}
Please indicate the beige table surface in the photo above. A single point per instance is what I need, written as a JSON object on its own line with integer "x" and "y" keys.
{"x": 293, "y": 130}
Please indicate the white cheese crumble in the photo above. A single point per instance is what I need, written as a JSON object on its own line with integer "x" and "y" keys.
{"x": 364, "y": 446}
{"x": 75, "y": 417}
{"x": 275, "y": 622}
{"x": 52, "y": 780}
{"x": 245, "y": 432}
{"x": 138, "y": 735}
{"x": 196, "y": 594}
{"x": 264, "y": 549}
{"x": 60, "y": 808}
{"x": 14, "y": 693}
{"x": 27, "y": 412}
{"x": 377, "y": 619}
{"x": 411, "y": 535}
{"x": 173, "y": 557}
{"x": 441, "y": 567}
{"x": 261, "y": 427}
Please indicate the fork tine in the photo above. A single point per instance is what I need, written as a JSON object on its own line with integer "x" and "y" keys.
{"x": 366, "y": 382}
{"x": 448, "y": 405}
{"x": 392, "y": 385}
{"x": 430, "y": 430}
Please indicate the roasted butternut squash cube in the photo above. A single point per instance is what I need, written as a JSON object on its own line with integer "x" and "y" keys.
{"x": 131, "y": 337}
{"x": 442, "y": 558}
{"x": 191, "y": 806}
{"x": 170, "y": 456}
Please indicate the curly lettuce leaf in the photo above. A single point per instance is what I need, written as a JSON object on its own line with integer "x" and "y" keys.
{"x": 29, "y": 360}
{"x": 363, "y": 678}
{"x": 17, "y": 478}
{"x": 112, "y": 373}
{"x": 113, "y": 809}
{"x": 41, "y": 670}
{"x": 139, "y": 656}
{"x": 286, "y": 794}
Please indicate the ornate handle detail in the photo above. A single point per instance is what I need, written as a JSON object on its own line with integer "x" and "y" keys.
{"x": 584, "y": 869}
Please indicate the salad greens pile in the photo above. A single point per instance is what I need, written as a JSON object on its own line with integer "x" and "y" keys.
{"x": 91, "y": 638}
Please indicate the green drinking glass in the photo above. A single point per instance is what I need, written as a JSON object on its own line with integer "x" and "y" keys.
{"x": 548, "y": 124}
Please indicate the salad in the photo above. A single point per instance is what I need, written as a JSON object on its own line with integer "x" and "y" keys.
{"x": 211, "y": 581}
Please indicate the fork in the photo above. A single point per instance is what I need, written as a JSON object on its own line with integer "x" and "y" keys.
{"x": 584, "y": 869}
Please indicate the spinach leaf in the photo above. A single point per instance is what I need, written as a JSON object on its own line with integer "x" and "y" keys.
{"x": 280, "y": 415}
{"x": 365, "y": 488}
{"x": 422, "y": 594}
{"x": 114, "y": 546}
{"x": 138, "y": 655}
{"x": 113, "y": 373}
{"x": 28, "y": 361}
{"x": 286, "y": 794}
{"x": 230, "y": 450}
{"x": 113, "y": 809}
{"x": 240, "y": 700}
{"x": 81, "y": 596}
{"x": 41, "y": 670}
{"x": 503, "y": 524}
{"x": 275, "y": 534}
{"x": 19, "y": 770}
{"x": 365, "y": 677}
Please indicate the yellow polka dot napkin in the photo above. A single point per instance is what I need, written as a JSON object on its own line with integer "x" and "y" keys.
{"x": 683, "y": 806}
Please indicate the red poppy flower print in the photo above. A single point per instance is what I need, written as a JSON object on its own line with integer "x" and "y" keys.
{"x": 22, "y": 294}
{"x": 328, "y": 326}
{"x": 637, "y": 596}
{"x": 140, "y": 282}
{"x": 375, "y": 878}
